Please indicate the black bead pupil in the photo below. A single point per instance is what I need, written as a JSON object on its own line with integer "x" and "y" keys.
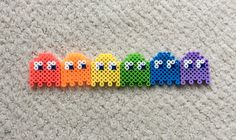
{"x": 131, "y": 67}
{"x": 202, "y": 66}
{"x": 83, "y": 66}
{"x": 101, "y": 67}
{"x": 190, "y": 65}
{"x": 71, "y": 67}
{"x": 40, "y": 67}
{"x": 113, "y": 67}
{"x": 143, "y": 67}
{"x": 53, "y": 67}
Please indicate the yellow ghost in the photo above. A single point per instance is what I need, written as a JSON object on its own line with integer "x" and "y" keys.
{"x": 105, "y": 69}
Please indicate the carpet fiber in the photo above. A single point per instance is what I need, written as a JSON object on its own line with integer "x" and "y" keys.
{"x": 119, "y": 27}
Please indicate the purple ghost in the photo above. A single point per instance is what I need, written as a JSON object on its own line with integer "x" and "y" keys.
{"x": 194, "y": 67}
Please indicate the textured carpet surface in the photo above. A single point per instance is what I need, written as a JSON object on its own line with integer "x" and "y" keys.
{"x": 119, "y": 27}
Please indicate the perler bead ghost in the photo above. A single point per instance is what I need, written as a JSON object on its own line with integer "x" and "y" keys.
{"x": 105, "y": 69}
{"x": 194, "y": 68}
{"x": 165, "y": 68}
{"x": 135, "y": 70}
{"x": 44, "y": 69}
{"x": 75, "y": 69}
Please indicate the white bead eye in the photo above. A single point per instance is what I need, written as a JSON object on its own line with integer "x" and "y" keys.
{"x": 199, "y": 63}
{"x": 69, "y": 65}
{"x": 99, "y": 66}
{"x": 170, "y": 63}
{"x": 81, "y": 64}
{"x": 129, "y": 65}
{"x": 157, "y": 63}
{"x": 187, "y": 63}
{"x": 38, "y": 65}
{"x": 141, "y": 65}
{"x": 111, "y": 65}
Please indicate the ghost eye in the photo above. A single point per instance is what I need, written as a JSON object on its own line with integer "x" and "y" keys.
{"x": 170, "y": 63}
{"x": 141, "y": 65}
{"x": 81, "y": 64}
{"x": 38, "y": 65}
{"x": 188, "y": 63}
{"x": 99, "y": 66}
{"x": 112, "y": 66}
{"x": 200, "y": 63}
{"x": 129, "y": 65}
{"x": 158, "y": 63}
{"x": 51, "y": 65}
{"x": 69, "y": 65}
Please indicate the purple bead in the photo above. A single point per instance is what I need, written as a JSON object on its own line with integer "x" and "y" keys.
{"x": 194, "y": 68}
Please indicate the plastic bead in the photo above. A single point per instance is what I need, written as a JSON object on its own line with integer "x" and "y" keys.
{"x": 194, "y": 68}
{"x": 105, "y": 69}
{"x": 75, "y": 70}
{"x": 135, "y": 70}
{"x": 44, "y": 69}
{"x": 165, "y": 69}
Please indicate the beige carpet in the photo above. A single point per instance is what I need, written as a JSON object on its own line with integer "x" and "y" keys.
{"x": 119, "y": 27}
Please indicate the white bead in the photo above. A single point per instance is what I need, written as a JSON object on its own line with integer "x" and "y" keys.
{"x": 190, "y": 61}
{"x": 168, "y": 62}
{"x": 66, "y": 67}
{"x": 168, "y": 66}
{"x": 156, "y": 62}
{"x": 173, "y": 62}
{"x": 83, "y": 62}
{"x": 186, "y": 66}
{"x": 49, "y": 67}
{"x": 139, "y": 67}
{"x": 202, "y": 61}
{"x": 35, "y": 63}
{"x": 53, "y": 63}
{"x": 35, "y": 67}
{"x": 156, "y": 66}
{"x": 198, "y": 66}
{"x": 126, "y": 67}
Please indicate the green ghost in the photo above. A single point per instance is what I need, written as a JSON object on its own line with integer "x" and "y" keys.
{"x": 135, "y": 70}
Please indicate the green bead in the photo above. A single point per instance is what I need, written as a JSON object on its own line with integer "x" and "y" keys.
{"x": 136, "y": 74}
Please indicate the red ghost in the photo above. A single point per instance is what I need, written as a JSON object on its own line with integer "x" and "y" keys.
{"x": 44, "y": 69}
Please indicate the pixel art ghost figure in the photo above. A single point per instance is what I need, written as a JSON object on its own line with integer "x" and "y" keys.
{"x": 135, "y": 70}
{"x": 75, "y": 69}
{"x": 194, "y": 67}
{"x": 105, "y": 69}
{"x": 165, "y": 68}
{"x": 44, "y": 69}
